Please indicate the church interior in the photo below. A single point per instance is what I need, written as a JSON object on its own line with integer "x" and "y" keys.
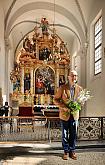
{"x": 40, "y": 42}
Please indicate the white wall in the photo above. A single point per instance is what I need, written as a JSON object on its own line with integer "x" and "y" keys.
{"x": 96, "y": 106}
{"x": 2, "y": 52}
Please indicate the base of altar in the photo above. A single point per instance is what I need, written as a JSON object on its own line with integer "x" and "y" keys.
{"x": 51, "y": 113}
{"x": 47, "y": 110}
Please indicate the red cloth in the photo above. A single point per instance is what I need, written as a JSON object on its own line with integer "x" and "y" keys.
{"x": 25, "y": 111}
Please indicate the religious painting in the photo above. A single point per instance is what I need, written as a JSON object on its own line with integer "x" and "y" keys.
{"x": 44, "y": 54}
{"x": 61, "y": 80}
{"x": 44, "y": 81}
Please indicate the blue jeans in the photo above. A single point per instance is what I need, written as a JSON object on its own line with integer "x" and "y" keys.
{"x": 69, "y": 135}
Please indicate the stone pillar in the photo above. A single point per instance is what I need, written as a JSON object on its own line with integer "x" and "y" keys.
{"x": 84, "y": 66}
{"x": 83, "y": 72}
{"x": 7, "y": 48}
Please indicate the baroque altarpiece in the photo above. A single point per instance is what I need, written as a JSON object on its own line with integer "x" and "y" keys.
{"x": 41, "y": 66}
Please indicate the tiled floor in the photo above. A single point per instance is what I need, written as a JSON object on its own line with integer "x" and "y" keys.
{"x": 49, "y": 154}
{"x": 84, "y": 158}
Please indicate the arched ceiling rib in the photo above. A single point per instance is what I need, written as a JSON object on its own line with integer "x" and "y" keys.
{"x": 46, "y": 6}
{"x": 72, "y": 15}
{"x": 49, "y": 7}
{"x": 8, "y": 12}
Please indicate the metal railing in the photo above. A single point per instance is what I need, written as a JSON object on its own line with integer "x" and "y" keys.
{"x": 39, "y": 128}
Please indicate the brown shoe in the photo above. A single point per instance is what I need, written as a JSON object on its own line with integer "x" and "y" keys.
{"x": 73, "y": 155}
{"x": 65, "y": 156}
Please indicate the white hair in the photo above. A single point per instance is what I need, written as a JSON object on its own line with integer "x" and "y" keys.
{"x": 74, "y": 72}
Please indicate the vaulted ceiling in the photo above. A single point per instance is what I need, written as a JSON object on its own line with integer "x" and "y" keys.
{"x": 70, "y": 18}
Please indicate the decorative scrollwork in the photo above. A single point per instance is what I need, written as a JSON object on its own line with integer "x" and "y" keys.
{"x": 89, "y": 128}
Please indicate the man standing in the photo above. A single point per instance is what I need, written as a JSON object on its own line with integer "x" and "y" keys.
{"x": 65, "y": 92}
{"x": 6, "y": 108}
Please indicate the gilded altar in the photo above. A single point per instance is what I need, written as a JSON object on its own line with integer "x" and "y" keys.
{"x": 40, "y": 67}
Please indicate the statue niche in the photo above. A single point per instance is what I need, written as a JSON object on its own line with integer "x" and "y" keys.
{"x": 27, "y": 79}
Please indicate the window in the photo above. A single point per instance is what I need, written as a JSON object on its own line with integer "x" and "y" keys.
{"x": 98, "y": 46}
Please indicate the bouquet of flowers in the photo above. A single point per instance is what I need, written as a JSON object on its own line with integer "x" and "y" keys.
{"x": 75, "y": 105}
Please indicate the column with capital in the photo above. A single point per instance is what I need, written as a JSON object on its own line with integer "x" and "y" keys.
{"x": 37, "y": 50}
{"x": 6, "y": 82}
{"x": 66, "y": 73}
{"x": 31, "y": 86}
{"x": 56, "y": 77}
{"x": 22, "y": 82}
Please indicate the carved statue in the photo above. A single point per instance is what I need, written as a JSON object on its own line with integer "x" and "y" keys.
{"x": 44, "y": 25}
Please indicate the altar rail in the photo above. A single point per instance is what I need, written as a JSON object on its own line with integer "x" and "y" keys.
{"x": 48, "y": 128}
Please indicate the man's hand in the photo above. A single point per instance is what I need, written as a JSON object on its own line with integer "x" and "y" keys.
{"x": 65, "y": 109}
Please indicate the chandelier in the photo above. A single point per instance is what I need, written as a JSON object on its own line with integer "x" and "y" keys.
{"x": 59, "y": 51}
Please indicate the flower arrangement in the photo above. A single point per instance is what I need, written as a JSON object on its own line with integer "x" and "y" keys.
{"x": 75, "y": 105}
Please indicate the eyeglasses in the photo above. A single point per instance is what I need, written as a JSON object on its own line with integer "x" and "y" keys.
{"x": 72, "y": 75}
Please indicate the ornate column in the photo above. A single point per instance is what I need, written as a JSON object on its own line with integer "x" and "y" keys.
{"x": 66, "y": 72}
{"x": 37, "y": 50}
{"x": 56, "y": 77}
{"x": 31, "y": 87}
{"x": 22, "y": 80}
